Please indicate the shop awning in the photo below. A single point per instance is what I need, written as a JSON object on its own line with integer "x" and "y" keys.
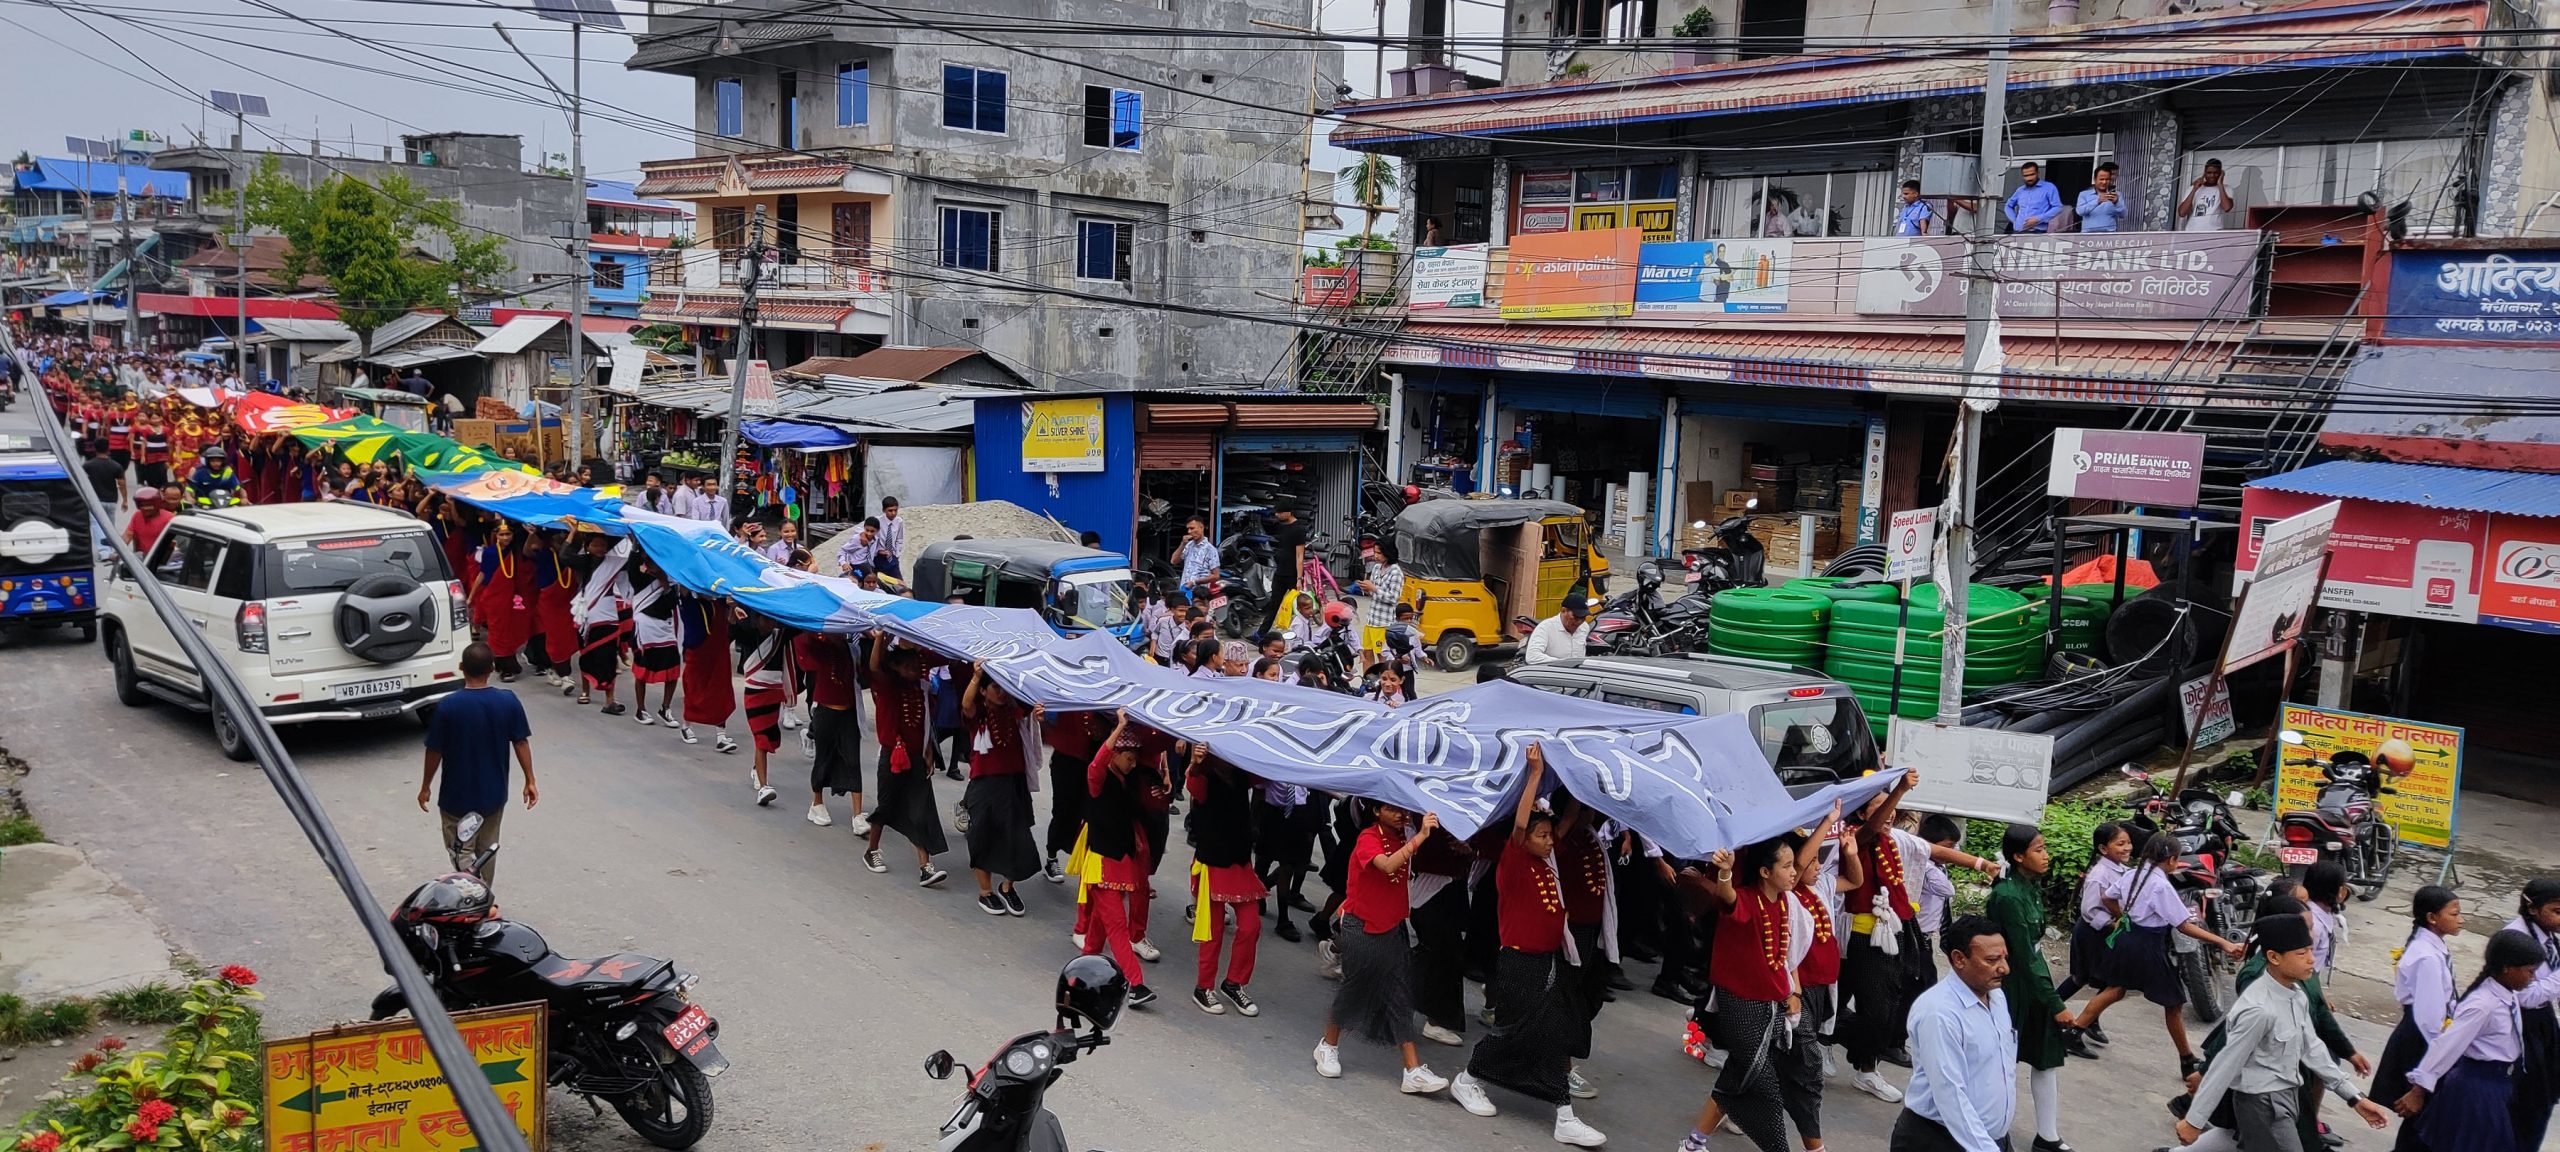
{"x": 228, "y": 307}
{"x": 799, "y": 437}
{"x": 301, "y": 332}
{"x": 74, "y": 296}
{"x": 2428, "y": 485}
{"x": 926, "y": 409}
{"x": 2473, "y": 407}
{"x": 2039, "y": 367}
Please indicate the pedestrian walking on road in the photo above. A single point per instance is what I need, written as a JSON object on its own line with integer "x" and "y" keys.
{"x": 834, "y": 728}
{"x": 503, "y": 603}
{"x": 2464, "y": 1096}
{"x": 905, "y": 766}
{"x": 2280, "y": 901}
{"x": 557, "y": 647}
{"x": 768, "y": 671}
{"x": 2270, "y": 1042}
{"x": 2538, "y": 917}
{"x": 1964, "y": 1050}
{"x": 1115, "y": 882}
{"x": 2138, "y": 960}
{"x": 1376, "y": 997}
{"x": 709, "y": 696}
{"x": 998, "y": 799}
{"x": 1223, "y": 881}
{"x": 2110, "y": 859}
{"x": 2422, "y": 981}
{"x": 2043, "y": 1021}
{"x": 597, "y": 611}
{"x": 658, "y": 646}
{"x": 1757, "y": 1000}
{"x": 1885, "y": 944}
{"x": 1073, "y": 738}
{"x": 468, "y": 740}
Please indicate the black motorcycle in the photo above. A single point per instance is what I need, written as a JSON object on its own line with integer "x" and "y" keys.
{"x": 2223, "y": 894}
{"x": 1637, "y": 623}
{"x": 1002, "y": 1110}
{"x": 2344, "y": 822}
{"x": 1738, "y": 561}
{"x": 1240, "y": 599}
{"x": 623, "y": 1027}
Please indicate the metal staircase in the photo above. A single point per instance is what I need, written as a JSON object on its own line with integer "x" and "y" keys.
{"x": 1342, "y": 358}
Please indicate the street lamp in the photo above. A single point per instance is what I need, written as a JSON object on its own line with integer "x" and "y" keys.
{"x": 578, "y": 15}
{"x": 241, "y": 106}
{"x": 88, "y": 150}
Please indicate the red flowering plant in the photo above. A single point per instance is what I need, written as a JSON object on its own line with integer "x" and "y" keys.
{"x": 186, "y": 1094}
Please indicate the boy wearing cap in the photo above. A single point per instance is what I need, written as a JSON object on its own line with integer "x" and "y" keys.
{"x": 2270, "y": 1042}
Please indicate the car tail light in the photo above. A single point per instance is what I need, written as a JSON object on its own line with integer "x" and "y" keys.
{"x": 1803, "y": 693}
{"x": 461, "y": 606}
{"x": 2297, "y": 833}
{"x": 251, "y": 624}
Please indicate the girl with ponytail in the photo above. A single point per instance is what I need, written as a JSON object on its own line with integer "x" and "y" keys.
{"x": 2422, "y": 981}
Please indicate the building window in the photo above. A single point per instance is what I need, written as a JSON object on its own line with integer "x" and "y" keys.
{"x": 1644, "y": 196}
{"x": 1102, "y": 250}
{"x": 607, "y": 275}
{"x": 972, "y": 238}
{"x": 2425, "y": 172}
{"x": 1112, "y": 117}
{"x": 853, "y": 94}
{"x": 1801, "y": 204}
{"x": 972, "y": 98}
{"x": 729, "y": 228}
{"x": 787, "y": 102}
{"x": 729, "y": 106}
{"x": 852, "y": 232}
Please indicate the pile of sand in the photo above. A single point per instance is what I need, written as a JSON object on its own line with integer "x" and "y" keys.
{"x": 934, "y": 523}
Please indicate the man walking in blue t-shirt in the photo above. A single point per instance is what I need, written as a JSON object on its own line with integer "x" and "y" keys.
{"x": 468, "y": 739}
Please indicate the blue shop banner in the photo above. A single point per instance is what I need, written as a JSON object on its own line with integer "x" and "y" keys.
{"x": 2475, "y": 295}
{"x": 1712, "y": 277}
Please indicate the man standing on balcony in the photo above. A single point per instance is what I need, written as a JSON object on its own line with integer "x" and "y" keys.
{"x": 2101, "y": 206}
{"x": 1912, "y": 216}
{"x": 2033, "y": 207}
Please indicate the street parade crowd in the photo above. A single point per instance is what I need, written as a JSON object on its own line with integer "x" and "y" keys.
{"x": 1839, "y": 936}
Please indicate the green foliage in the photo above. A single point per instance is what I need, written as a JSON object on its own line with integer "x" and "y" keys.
{"x": 1372, "y": 178}
{"x": 21, "y": 1023}
{"x": 1366, "y": 240}
{"x": 362, "y": 238}
{"x": 16, "y": 830}
{"x": 1578, "y": 68}
{"x": 197, "y": 1092}
{"x": 2241, "y": 764}
{"x": 2067, "y": 827}
{"x": 145, "y": 1004}
{"x": 1699, "y": 24}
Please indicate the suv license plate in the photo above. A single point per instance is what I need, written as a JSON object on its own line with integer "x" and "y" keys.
{"x": 2298, "y": 855}
{"x": 369, "y": 689}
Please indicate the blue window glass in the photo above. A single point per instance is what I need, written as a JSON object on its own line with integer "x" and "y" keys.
{"x": 853, "y": 94}
{"x": 1102, "y": 250}
{"x": 971, "y": 238}
{"x": 729, "y": 106}
{"x": 972, "y": 98}
{"x": 1125, "y": 119}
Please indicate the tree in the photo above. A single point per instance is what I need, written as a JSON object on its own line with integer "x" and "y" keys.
{"x": 1371, "y": 180}
{"x": 363, "y": 238}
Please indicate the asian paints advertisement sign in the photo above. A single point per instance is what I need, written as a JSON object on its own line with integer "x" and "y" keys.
{"x": 1572, "y": 275}
{"x": 2473, "y": 295}
{"x": 1712, "y": 277}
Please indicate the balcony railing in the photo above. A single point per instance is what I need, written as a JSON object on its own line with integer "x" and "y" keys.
{"x": 819, "y": 271}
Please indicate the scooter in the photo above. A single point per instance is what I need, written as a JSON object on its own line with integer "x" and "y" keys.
{"x": 2344, "y": 822}
{"x": 1740, "y": 561}
{"x": 1637, "y": 624}
{"x": 1003, "y": 1111}
{"x": 2223, "y": 894}
{"x": 624, "y": 1029}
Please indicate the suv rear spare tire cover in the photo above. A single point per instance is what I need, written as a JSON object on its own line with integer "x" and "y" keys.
{"x": 386, "y": 618}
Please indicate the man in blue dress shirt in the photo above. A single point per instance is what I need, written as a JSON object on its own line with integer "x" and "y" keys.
{"x": 1964, "y": 1050}
{"x": 2100, "y": 204}
{"x": 2034, "y": 205}
{"x": 1911, "y": 217}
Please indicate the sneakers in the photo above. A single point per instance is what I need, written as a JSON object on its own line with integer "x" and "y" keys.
{"x": 684, "y": 732}
{"x": 1420, "y": 1080}
{"x": 1695, "y": 1141}
{"x": 927, "y": 876}
{"x": 1013, "y": 906}
{"x": 1439, "y": 1035}
{"x": 568, "y": 685}
{"x": 1234, "y": 993}
{"x": 1147, "y": 951}
{"x": 765, "y": 795}
{"x": 1078, "y": 939}
{"x": 860, "y": 824}
{"x": 615, "y": 708}
{"x": 818, "y": 815}
{"x": 640, "y": 714}
{"x": 1052, "y": 871}
{"x": 1470, "y": 1095}
{"x": 1207, "y": 1001}
{"x": 1571, "y": 1130}
{"x": 1830, "y": 1067}
{"x": 808, "y": 746}
{"x": 991, "y": 904}
{"x": 1875, "y": 1085}
{"x": 507, "y": 677}
{"x": 1578, "y": 1086}
{"x": 790, "y": 719}
{"x": 1140, "y": 995}
{"x": 871, "y": 861}
{"x": 1328, "y": 960}
{"x": 1328, "y": 1061}
{"x": 724, "y": 743}
{"x": 667, "y": 720}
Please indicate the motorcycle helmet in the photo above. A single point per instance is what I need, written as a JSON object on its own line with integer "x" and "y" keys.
{"x": 1090, "y": 993}
{"x": 1337, "y": 615}
{"x": 455, "y": 898}
{"x": 216, "y": 452}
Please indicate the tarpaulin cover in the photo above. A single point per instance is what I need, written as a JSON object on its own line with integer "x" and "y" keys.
{"x": 1436, "y": 539}
{"x": 786, "y": 434}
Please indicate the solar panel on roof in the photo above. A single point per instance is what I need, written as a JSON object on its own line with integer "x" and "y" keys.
{"x": 226, "y": 101}
{"x": 593, "y": 13}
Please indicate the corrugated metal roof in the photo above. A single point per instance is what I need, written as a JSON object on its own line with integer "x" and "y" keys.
{"x": 2462, "y": 406}
{"x": 304, "y": 331}
{"x": 98, "y": 178}
{"x": 924, "y": 409}
{"x": 517, "y": 334}
{"x": 900, "y": 362}
{"x": 2430, "y": 485}
{"x": 2346, "y": 32}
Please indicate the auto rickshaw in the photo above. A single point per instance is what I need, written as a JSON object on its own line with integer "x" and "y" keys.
{"x": 1075, "y": 589}
{"x": 48, "y": 552}
{"x": 1470, "y": 565}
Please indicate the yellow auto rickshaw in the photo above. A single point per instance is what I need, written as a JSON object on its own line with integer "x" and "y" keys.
{"x": 1472, "y": 565}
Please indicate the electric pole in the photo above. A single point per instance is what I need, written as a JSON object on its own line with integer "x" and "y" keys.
{"x": 751, "y": 270}
{"x": 576, "y": 418}
{"x": 1981, "y": 355}
{"x": 241, "y": 107}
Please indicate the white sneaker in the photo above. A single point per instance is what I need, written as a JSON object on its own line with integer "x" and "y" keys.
{"x": 1078, "y": 937}
{"x": 790, "y": 719}
{"x": 765, "y": 795}
{"x": 1578, "y": 1087}
{"x": 860, "y": 824}
{"x": 1439, "y": 1035}
{"x": 1420, "y": 1080}
{"x": 642, "y": 715}
{"x": 1328, "y": 960}
{"x": 808, "y": 746}
{"x": 684, "y": 732}
{"x": 1715, "y": 1057}
{"x": 818, "y": 815}
{"x": 1571, "y": 1130}
{"x": 1470, "y": 1095}
{"x": 1328, "y": 1061}
{"x": 1830, "y": 1067}
{"x": 1875, "y": 1085}
{"x": 667, "y": 720}
{"x": 1147, "y": 951}
{"x": 724, "y": 743}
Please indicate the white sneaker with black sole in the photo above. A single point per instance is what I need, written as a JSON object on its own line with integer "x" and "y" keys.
{"x": 766, "y": 795}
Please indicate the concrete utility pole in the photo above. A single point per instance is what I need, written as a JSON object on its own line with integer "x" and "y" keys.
{"x": 241, "y": 107}
{"x": 575, "y": 420}
{"x": 752, "y": 271}
{"x": 1981, "y": 353}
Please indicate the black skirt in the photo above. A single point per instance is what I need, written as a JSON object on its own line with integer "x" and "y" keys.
{"x": 600, "y": 659}
{"x": 1066, "y": 801}
{"x": 1376, "y": 996}
{"x": 838, "y": 737}
{"x": 1538, "y": 1024}
{"x": 2400, "y": 1055}
{"x": 903, "y": 803}
{"x": 2088, "y": 955}
{"x": 999, "y": 835}
{"x": 2140, "y": 961}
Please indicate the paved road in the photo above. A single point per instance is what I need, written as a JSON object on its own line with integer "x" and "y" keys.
{"x": 831, "y": 983}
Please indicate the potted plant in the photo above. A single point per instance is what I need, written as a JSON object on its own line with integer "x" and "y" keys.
{"x": 1376, "y": 258}
{"x": 1696, "y": 34}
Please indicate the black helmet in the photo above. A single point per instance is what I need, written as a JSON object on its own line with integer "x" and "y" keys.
{"x": 216, "y": 452}
{"x": 456, "y": 898}
{"x": 1090, "y": 992}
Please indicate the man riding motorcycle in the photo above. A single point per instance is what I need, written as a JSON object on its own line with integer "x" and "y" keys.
{"x": 213, "y": 484}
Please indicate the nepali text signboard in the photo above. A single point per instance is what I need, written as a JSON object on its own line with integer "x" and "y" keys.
{"x": 2208, "y": 719}
{"x": 2081, "y": 276}
{"x": 2281, "y": 583}
{"x": 1712, "y": 278}
{"x": 2420, "y": 763}
{"x": 2397, "y": 559}
{"x": 375, "y": 1086}
{"x": 1980, "y": 772}
{"x": 1448, "y": 277}
{"x": 1062, "y": 435}
{"x": 2511, "y": 296}
{"x": 1572, "y": 275}
{"x": 2163, "y": 469}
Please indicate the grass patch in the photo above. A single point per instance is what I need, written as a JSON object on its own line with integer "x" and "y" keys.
{"x": 22, "y": 1023}
{"x": 16, "y": 830}
{"x": 145, "y": 1004}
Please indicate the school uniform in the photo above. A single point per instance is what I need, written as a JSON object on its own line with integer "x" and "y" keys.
{"x": 2138, "y": 958}
{"x": 1886, "y": 951}
{"x": 1222, "y": 876}
{"x": 2089, "y": 932}
{"x": 1072, "y": 738}
{"x": 503, "y": 605}
{"x": 998, "y": 799}
{"x": 2324, "y": 1026}
{"x": 1376, "y": 996}
{"x": 768, "y": 675}
{"x": 597, "y": 610}
{"x": 1754, "y": 970}
{"x": 1441, "y": 911}
{"x": 552, "y": 617}
{"x": 659, "y": 658}
{"x": 2539, "y": 1086}
{"x": 2422, "y": 981}
{"x": 2477, "y": 1067}
{"x": 1582, "y": 866}
{"x": 2017, "y": 906}
{"x": 903, "y": 794}
{"x": 2271, "y": 1043}
{"x": 1814, "y": 942}
{"x": 1532, "y": 993}
{"x": 1115, "y": 886}
{"x": 834, "y": 727}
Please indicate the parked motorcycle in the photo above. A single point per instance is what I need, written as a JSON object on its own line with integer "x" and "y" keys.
{"x": 2223, "y": 894}
{"x": 623, "y": 1027}
{"x": 1241, "y": 599}
{"x": 2344, "y": 822}
{"x": 1739, "y": 561}
{"x": 1637, "y": 623}
{"x": 1002, "y": 1110}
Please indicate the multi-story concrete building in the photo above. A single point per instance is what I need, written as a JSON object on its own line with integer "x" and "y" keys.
{"x": 1045, "y": 199}
{"x": 626, "y": 232}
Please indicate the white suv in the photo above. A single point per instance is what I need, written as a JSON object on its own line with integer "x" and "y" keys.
{"x": 324, "y": 612}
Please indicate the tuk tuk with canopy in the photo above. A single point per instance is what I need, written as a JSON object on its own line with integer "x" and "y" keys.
{"x": 1076, "y": 589}
{"x": 1471, "y": 565}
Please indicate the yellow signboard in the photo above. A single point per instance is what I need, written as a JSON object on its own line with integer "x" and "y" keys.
{"x": 1062, "y": 435}
{"x": 2420, "y": 763}
{"x": 376, "y": 1088}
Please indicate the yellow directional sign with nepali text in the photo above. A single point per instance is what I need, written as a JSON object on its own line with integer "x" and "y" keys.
{"x": 2420, "y": 763}
{"x": 376, "y": 1087}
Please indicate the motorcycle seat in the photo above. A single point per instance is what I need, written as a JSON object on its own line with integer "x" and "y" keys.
{"x": 621, "y": 969}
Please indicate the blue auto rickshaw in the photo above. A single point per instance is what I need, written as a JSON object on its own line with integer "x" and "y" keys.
{"x": 48, "y": 564}
{"x": 1076, "y": 589}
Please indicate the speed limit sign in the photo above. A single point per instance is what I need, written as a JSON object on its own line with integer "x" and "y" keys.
{"x": 1908, "y": 539}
